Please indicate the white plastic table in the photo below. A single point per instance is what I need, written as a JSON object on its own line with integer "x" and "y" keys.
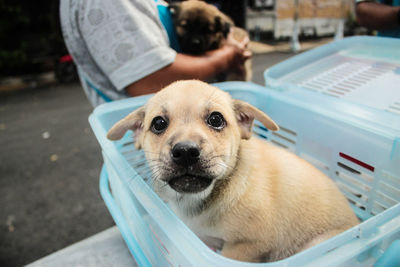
{"x": 106, "y": 248}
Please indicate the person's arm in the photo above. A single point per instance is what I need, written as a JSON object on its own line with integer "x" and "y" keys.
{"x": 205, "y": 67}
{"x": 377, "y": 16}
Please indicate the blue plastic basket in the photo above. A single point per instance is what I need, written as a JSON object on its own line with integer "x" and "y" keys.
{"x": 362, "y": 70}
{"x": 357, "y": 145}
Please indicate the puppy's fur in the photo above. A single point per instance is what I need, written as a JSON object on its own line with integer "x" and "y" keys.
{"x": 260, "y": 201}
{"x": 201, "y": 27}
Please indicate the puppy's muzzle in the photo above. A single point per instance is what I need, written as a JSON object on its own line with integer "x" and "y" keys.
{"x": 186, "y": 155}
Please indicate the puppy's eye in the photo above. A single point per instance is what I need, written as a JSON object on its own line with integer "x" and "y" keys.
{"x": 158, "y": 125}
{"x": 216, "y": 121}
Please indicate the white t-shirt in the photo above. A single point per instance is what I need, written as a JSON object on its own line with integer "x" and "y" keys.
{"x": 114, "y": 43}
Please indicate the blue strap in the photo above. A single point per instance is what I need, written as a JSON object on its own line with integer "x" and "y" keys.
{"x": 166, "y": 20}
{"x": 100, "y": 93}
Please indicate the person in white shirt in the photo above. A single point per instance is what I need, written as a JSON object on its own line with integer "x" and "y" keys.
{"x": 122, "y": 49}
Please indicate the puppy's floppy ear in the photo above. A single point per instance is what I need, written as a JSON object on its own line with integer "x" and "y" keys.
{"x": 218, "y": 23}
{"x": 134, "y": 121}
{"x": 245, "y": 115}
{"x": 226, "y": 29}
{"x": 222, "y": 26}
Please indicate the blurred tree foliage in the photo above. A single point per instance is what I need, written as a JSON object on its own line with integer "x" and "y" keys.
{"x": 30, "y": 36}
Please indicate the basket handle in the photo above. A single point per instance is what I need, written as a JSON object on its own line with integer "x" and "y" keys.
{"x": 131, "y": 242}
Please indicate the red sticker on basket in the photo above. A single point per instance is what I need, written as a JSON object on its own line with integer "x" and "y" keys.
{"x": 356, "y": 161}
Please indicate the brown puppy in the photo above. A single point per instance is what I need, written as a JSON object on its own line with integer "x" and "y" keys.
{"x": 260, "y": 201}
{"x": 201, "y": 27}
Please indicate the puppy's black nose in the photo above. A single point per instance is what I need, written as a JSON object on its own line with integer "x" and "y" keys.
{"x": 185, "y": 153}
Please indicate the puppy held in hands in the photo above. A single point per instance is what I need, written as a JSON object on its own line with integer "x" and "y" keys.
{"x": 259, "y": 201}
{"x": 201, "y": 27}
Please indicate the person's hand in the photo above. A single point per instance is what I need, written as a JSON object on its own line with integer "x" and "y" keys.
{"x": 240, "y": 52}
{"x": 232, "y": 40}
{"x": 231, "y": 56}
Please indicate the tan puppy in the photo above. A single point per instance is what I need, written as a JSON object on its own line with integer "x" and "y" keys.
{"x": 262, "y": 202}
{"x": 201, "y": 27}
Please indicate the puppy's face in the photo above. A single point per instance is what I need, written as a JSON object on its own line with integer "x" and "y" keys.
{"x": 191, "y": 133}
{"x": 200, "y": 26}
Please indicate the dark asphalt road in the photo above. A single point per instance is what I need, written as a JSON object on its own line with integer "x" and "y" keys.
{"x": 49, "y": 167}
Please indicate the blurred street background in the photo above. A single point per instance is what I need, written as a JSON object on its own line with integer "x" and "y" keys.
{"x": 50, "y": 160}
